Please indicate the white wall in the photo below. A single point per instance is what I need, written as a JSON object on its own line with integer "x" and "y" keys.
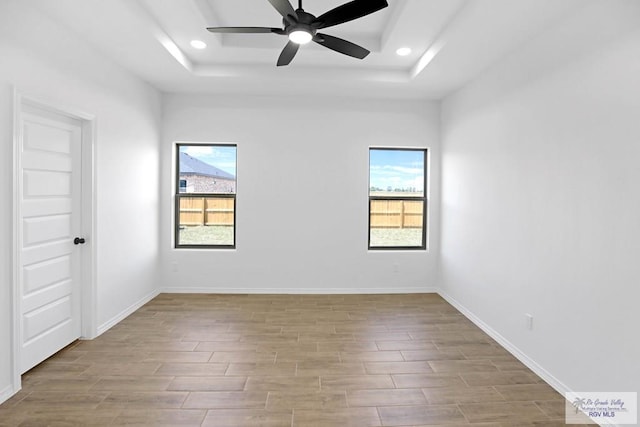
{"x": 45, "y": 61}
{"x": 311, "y": 158}
{"x": 540, "y": 209}
{"x": 541, "y": 205}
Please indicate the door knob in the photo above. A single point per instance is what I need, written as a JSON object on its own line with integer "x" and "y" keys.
{"x": 78, "y": 241}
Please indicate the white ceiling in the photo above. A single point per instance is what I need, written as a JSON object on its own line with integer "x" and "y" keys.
{"x": 452, "y": 42}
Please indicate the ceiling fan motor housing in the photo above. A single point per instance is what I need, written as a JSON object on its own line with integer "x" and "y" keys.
{"x": 301, "y": 22}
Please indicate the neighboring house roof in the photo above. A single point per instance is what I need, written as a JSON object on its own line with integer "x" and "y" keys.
{"x": 191, "y": 166}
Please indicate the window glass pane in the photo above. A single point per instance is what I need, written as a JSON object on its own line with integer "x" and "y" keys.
{"x": 206, "y": 221}
{"x": 396, "y": 223}
{"x": 396, "y": 173}
{"x": 207, "y": 169}
{"x": 397, "y": 201}
{"x": 206, "y": 195}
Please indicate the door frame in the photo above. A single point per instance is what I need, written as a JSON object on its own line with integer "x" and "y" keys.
{"x": 88, "y": 297}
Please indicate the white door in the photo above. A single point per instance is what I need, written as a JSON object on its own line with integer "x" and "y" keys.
{"x": 50, "y": 220}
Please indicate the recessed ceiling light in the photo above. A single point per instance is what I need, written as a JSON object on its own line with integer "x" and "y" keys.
{"x": 198, "y": 44}
{"x": 403, "y": 51}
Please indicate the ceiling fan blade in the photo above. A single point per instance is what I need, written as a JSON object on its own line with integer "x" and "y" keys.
{"x": 288, "y": 53}
{"x": 245, "y": 30}
{"x": 348, "y": 12}
{"x": 340, "y": 45}
{"x": 284, "y": 8}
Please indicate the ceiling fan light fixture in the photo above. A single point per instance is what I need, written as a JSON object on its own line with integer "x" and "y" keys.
{"x": 300, "y": 36}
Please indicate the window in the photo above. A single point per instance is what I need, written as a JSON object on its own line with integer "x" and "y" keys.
{"x": 397, "y": 198}
{"x": 205, "y": 196}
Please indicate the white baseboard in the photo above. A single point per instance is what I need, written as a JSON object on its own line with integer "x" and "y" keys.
{"x": 558, "y": 385}
{"x": 126, "y": 312}
{"x": 7, "y": 392}
{"x": 554, "y": 382}
{"x": 296, "y": 291}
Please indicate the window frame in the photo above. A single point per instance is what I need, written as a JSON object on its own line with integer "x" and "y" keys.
{"x": 178, "y": 196}
{"x": 424, "y": 199}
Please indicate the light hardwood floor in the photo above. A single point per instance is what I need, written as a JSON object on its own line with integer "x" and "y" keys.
{"x": 286, "y": 360}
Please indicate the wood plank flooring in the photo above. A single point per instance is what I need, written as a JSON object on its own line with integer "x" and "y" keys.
{"x": 286, "y": 360}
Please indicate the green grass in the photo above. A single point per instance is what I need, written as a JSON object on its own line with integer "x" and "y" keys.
{"x": 223, "y": 235}
{"x": 207, "y": 235}
{"x": 396, "y": 237}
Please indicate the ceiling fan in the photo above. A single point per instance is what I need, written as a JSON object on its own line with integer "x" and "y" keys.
{"x": 302, "y": 27}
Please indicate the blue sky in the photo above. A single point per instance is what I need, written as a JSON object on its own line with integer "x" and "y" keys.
{"x": 388, "y": 168}
{"x": 396, "y": 169}
{"x": 222, "y": 157}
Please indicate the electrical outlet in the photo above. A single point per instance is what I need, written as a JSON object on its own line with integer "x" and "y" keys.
{"x": 396, "y": 267}
{"x": 174, "y": 266}
{"x": 528, "y": 321}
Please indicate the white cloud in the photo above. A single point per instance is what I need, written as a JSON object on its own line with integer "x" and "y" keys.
{"x": 402, "y": 169}
{"x": 199, "y": 150}
{"x": 397, "y": 177}
{"x": 395, "y": 170}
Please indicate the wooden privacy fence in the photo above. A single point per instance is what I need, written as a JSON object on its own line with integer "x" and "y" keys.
{"x": 219, "y": 211}
{"x": 206, "y": 210}
{"x": 396, "y": 213}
